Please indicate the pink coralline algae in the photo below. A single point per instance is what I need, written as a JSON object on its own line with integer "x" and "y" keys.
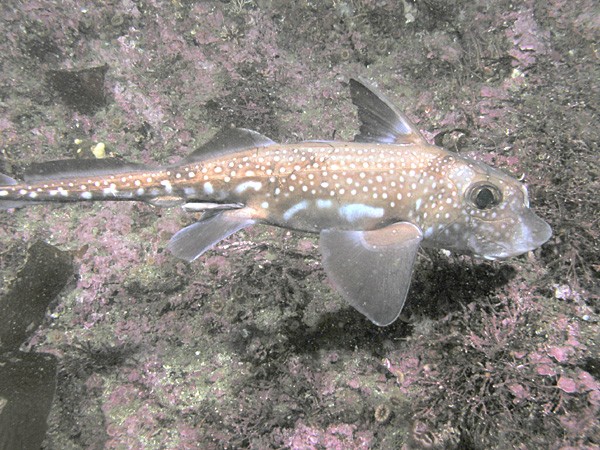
{"x": 529, "y": 41}
{"x": 583, "y": 383}
{"x": 567, "y": 385}
{"x": 335, "y": 437}
{"x": 561, "y": 354}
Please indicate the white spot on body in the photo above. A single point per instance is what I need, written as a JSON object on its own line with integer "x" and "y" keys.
{"x": 167, "y": 185}
{"x": 86, "y": 195}
{"x": 242, "y": 187}
{"x": 295, "y": 209}
{"x": 110, "y": 190}
{"x": 324, "y": 203}
{"x": 357, "y": 211}
{"x": 208, "y": 188}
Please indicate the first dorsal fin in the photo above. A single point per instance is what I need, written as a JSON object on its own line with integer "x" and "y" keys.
{"x": 227, "y": 141}
{"x": 68, "y": 168}
{"x": 380, "y": 120}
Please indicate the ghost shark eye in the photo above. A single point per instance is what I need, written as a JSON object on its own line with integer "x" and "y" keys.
{"x": 485, "y": 196}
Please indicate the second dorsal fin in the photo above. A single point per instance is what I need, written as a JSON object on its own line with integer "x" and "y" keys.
{"x": 380, "y": 120}
{"x": 227, "y": 141}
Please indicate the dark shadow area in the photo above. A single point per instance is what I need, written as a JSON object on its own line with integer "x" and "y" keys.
{"x": 28, "y": 380}
{"x": 82, "y": 90}
{"x": 27, "y": 383}
{"x": 438, "y": 288}
{"x": 45, "y": 273}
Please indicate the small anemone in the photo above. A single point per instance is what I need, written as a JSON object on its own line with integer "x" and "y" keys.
{"x": 383, "y": 413}
{"x": 424, "y": 437}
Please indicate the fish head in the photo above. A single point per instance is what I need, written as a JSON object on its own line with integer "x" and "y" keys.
{"x": 489, "y": 215}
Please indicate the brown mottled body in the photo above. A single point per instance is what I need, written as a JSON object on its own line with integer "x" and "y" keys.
{"x": 272, "y": 181}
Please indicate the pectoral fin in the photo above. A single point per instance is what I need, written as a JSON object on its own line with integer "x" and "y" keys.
{"x": 192, "y": 241}
{"x": 372, "y": 269}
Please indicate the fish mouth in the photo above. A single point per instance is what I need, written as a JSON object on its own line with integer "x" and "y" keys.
{"x": 530, "y": 233}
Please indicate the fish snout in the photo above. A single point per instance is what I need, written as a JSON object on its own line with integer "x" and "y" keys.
{"x": 540, "y": 231}
{"x": 529, "y": 233}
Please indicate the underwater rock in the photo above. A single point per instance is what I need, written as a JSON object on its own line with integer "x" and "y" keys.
{"x": 45, "y": 273}
{"x": 82, "y": 90}
{"x": 28, "y": 380}
{"x": 27, "y": 384}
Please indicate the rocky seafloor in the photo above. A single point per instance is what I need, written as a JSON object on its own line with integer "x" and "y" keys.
{"x": 249, "y": 347}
